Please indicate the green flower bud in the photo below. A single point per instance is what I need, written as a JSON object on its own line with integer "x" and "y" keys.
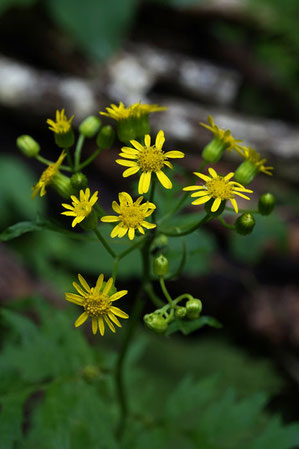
{"x": 65, "y": 140}
{"x": 246, "y": 172}
{"x": 156, "y": 322}
{"x": 245, "y": 224}
{"x": 266, "y": 203}
{"x": 79, "y": 181}
{"x": 90, "y": 222}
{"x": 180, "y": 312}
{"x": 142, "y": 126}
{"x": 193, "y": 307}
{"x": 208, "y": 206}
{"x": 126, "y": 130}
{"x": 106, "y": 137}
{"x": 62, "y": 184}
{"x": 160, "y": 265}
{"x": 90, "y": 126}
{"x": 28, "y": 145}
{"x": 214, "y": 150}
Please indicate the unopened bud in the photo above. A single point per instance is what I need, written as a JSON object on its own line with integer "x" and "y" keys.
{"x": 62, "y": 184}
{"x": 79, "y": 181}
{"x": 214, "y": 150}
{"x": 90, "y": 126}
{"x": 194, "y": 307}
{"x": 266, "y": 203}
{"x": 245, "y": 224}
{"x": 156, "y": 322}
{"x": 180, "y": 312}
{"x": 106, "y": 137}
{"x": 28, "y": 145}
{"x": 160, "y": 265}
{"x": 246, "y": 172}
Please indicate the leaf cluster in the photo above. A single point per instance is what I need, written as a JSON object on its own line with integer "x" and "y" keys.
{"x": 56, "y": 391}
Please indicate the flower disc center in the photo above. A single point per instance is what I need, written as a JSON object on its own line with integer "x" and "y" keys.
{"x": 132, "y": 216}
{"x": 220, "y": 188}
{"x": 97, "y": 306}
{"x": 151, "y": 159}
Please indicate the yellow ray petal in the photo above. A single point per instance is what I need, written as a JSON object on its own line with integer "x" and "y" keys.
{"x": 119, "y": 312}
{"x": 82, "y": 318}
{"x": 164, "y": 180}
{"x": 94, "y": 325}
{"x": 101, "y": 325}
{"x": 216, "y": 204}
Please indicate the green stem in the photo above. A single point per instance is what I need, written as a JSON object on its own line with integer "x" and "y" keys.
{"x": 226, "y": 225}
{"x": 175, "y": 209}
{"x": 90, "y": 159}
{"x": 135, "y": 315}
{"x": 165, "y": 291}
{"x": 243, "y": 211}
{"x": 119, "y": 369}
{"x": 127, "y": 251}
{"x": 104, "y": 243}
{"x": 78, "y": 152}
{"x": 69, "y": 159}
{"x": 115, "y": 267}
{"x": 153, "y": 297}
{"x": 47, "y": 162}
{"x": 181, "y": 201}
{"x": 204, "y": 220}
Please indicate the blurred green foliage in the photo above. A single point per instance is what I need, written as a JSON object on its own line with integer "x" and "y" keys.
{"x": 56, "y": 391}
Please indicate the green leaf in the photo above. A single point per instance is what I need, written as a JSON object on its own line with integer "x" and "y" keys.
{"x": 187, "y": 327}
{"x": 98, "y": 26}
{"x": 19, "y": 229}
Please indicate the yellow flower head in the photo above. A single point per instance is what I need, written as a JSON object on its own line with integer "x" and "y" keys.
{"x": 136, "y": 110}
{"x": 148, "y": 158}
{"x": 218, "y": 187}
{"x": 97, "y": 304}
{"x": 62, "y": 124}
{"x": 131, "y": 216}
{"x": 251, "y": 155}
{"x": 224, "y": 135}
{"x": 47, "y": 176}
{"x": 81, "y": 207}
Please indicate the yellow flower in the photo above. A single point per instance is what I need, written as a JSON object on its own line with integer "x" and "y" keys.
{"x": 136, "y": 110}
{"x": 251, "y": 155}
{"x": 47, "y": 176}
{"x": 131, "y": 216}
{"x": 82, "y": 207}
{"x": 62, "y": 124}
{"x": 223, "y": 135}
{"x": 148, "y": 158}
{"x": 97, "y": 304}
{"x": 218, "y": 187}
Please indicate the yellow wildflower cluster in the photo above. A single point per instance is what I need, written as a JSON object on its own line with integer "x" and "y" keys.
{"x": 146, "y": 158}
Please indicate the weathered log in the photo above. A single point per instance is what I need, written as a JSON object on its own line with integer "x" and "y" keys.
{"x": 23, "y": 87}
